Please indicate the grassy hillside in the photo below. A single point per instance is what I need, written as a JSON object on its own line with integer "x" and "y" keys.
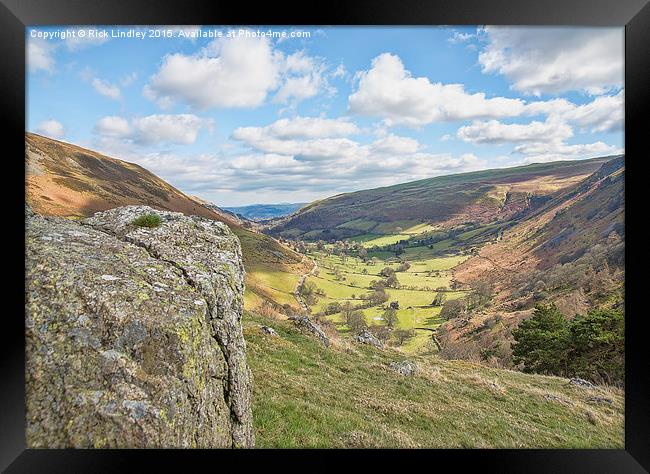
{"x": 482, "y": 196}
{"x": 70, "y": 181}
{"x": 348, "y": 396}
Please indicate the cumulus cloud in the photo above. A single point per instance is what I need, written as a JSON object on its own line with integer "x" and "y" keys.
{"x": 539, "y": 153}
{"x": 113, "y": 126}
{"x": 458, "y": 37}
{"x": 496, "y": 132}
{"x": 603, "y": 114}
{"x": 536, "y": 141}
{"x": 106, "y": 89}
{"x": 180, "y": 129}
{"x": 230, "y": 73}
{"x": 555, "y": 60}
{"x": 301, "y": 127}
{"x": 51, "y": 128}
{"x": 389, "y": 91}
{"x": 40, "y": 55}
{"x": 235, "y": 72}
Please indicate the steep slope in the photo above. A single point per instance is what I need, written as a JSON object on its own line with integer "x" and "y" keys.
{"x": 306, "y": 395}
{"x": 482, "y": 196}
{"x": 69, "y": 181}
{"x": 570, "y": 253}
{"x": 560, "y": 232}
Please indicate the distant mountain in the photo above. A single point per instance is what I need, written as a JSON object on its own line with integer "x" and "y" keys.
{"x": 260, "y": 212}
{"x": 480, "y": 197}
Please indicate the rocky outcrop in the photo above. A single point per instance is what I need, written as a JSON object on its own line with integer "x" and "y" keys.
{"x": 305, "y": 324}
{"x": 133, "y": 334}
{"x": 366, "y": 337}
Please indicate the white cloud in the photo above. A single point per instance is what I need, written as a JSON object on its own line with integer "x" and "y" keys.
{"x": 51, "y": 128}
{"x": 603, "y": 114}
{"x": 181, "y": 129}
{"x": 389, "y": 91}
{"x": 299, "y": 88}
{"x": 113, "y": 126}
{"x": 543, "y": 60}
{"x": 496, "y": 132}
{"x": 459, "y": 37}
{"x": 106, "y": 89}
{"x": 283, "y": 160}
{"x": 536, "y": 141}
{"x": 539, "y": 153}
{"x": 236, "y": 72}
{"x": 128, "y": 79}
{"x": 300, "y": 127}
{"x": 40, "y": 55}
{"x": 393, "y": 144}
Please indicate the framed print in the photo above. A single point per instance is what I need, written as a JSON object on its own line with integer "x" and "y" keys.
{"x": 378, "y": 230}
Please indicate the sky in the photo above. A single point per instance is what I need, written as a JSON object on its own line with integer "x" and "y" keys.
{"x": 252, "y": 115}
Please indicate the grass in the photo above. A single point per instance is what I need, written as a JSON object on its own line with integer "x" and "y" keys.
{"x": 147, "y": 220}
{"x": 347, "y": 396}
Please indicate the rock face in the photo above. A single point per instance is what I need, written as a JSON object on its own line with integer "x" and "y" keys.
{"x": 133, "y": 335}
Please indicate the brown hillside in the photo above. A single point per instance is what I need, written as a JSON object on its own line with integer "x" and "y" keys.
{"x": 69, "y": 181}
{"x": 66, "y": 180}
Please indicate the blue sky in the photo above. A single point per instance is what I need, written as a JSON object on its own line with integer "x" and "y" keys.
{"x": 245, "y": 118}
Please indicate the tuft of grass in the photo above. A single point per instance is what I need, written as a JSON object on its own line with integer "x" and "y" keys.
{"x": 148, "y": 220}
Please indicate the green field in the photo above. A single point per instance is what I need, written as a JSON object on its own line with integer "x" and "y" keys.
{"x": 346, "y": 279}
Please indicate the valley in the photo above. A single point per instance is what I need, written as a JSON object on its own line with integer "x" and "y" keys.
{"x": 343, "y": 279}
{"x": 441, "y": 272}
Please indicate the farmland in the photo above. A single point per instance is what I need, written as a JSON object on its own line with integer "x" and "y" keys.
{"x": 348, "y": 279}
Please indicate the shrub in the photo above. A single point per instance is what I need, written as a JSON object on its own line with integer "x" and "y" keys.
{"x": 452, "y": 309}
{"x": 147, "y": 220}
{"x": 356, "y": 321}
{"x": 439, "y": 299}
{"x": 591, "y": 346}
{"x": 390, "y": 317}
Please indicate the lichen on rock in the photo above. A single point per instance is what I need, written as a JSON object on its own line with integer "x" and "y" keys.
{"x": 133, "y": 335}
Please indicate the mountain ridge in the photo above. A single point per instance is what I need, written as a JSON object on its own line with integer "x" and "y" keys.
{"x": 482, "y": 196}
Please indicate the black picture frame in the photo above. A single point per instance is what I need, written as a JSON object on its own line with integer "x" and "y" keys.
{"x": 15, "y": 15}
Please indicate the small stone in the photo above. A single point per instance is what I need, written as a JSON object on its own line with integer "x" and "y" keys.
{"x": 305, "y": 323}
{"x": 109, "y": 278}
{"x": 404, "y": 368}
{"x": 268, "y": 330}
{"x": 600, "y": 400}
{"x": 581, "y": 383}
